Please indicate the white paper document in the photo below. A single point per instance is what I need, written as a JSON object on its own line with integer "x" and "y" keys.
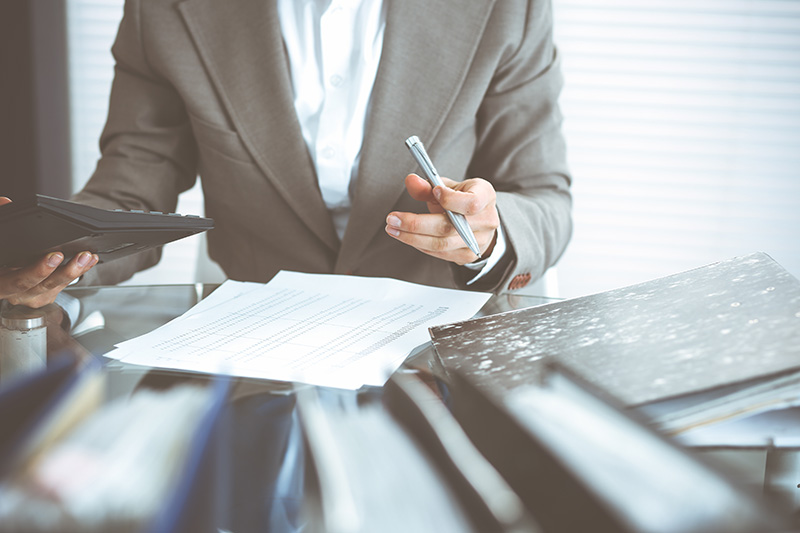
{"x": 322, "y": 329}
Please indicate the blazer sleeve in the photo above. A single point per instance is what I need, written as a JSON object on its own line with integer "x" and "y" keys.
{"x": 521, "y": 150}
{"x": 148, "y": 150}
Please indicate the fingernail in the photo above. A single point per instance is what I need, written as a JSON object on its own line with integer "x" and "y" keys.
{"x": 54, "y": 259}
{"x": 394, "y": 221}
{"x": 84, "y": 259}
{"x": 437, "y": 193}
{"x": 95, "y": 259}
{"x": 393, "y": 232}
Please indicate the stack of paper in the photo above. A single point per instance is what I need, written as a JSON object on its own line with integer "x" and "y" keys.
{"x": 326, "y": 330}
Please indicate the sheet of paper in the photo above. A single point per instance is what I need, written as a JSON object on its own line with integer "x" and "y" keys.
{"x": 327, "y": 330}
{"x": 229, "y": 290}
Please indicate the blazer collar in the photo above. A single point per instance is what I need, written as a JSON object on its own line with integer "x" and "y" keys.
{"x": 241, "y": 45}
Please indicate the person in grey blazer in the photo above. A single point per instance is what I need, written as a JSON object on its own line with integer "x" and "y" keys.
{"x": 204, "y": 87}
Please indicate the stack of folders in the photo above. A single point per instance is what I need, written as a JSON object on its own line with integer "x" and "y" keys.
{"x": 580, "y": 462}
{"x": 403, "y": 464}
{"x": 692, "y": 350}
{"x": 71, "y": 461}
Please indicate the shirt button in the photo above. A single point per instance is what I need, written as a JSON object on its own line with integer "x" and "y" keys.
{"x": 336, "y": 80}
{"x": 328, "y": 153}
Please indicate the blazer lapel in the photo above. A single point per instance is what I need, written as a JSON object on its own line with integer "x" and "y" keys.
{"x": 241, "y": 45}
{"x": 427, "y": 50}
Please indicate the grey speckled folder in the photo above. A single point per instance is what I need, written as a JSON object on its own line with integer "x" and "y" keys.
{"x": 717, "y": 325}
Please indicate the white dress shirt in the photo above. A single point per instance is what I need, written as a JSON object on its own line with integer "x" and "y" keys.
{"x": 334, "y": 47}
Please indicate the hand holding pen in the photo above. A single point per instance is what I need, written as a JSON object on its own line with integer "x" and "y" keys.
{"x": 463, "y": 219}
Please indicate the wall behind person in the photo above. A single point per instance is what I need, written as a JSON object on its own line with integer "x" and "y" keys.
{"x": 34, "y": 120}
{"x": 682, "y": 120}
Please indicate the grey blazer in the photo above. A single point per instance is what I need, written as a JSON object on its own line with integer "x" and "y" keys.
{"x": 203, "y": 87}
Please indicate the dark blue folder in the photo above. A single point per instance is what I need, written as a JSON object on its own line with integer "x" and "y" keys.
{"x": 193, "y": 506}
{"x": 26, "y": 401}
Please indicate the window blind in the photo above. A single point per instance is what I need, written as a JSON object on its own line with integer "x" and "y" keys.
{"x": 91, "y": 28}
{"x": 682, "y": 120}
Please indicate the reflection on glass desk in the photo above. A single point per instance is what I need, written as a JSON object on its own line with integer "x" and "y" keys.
{"x": 265, "y": 465}
{"x": 264, "y": 469}
{"x": 113, "y": 314}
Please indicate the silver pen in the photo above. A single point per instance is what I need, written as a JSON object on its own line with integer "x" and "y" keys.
{"x": 458, "y": 220}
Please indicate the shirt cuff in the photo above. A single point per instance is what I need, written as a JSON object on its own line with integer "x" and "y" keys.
{"x": 484, "y": 266}
{"x": 70, "y": 305}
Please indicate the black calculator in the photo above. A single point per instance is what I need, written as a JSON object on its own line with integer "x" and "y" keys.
{"x": 31, "y": 228}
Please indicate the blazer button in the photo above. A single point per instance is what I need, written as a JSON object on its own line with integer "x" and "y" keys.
{"x": 519, "y": 281}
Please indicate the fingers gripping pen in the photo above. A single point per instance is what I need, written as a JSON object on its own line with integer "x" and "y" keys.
{"x": 458, "y": 220}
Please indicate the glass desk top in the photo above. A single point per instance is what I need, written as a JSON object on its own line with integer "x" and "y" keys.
{"x": 113, "y": 314}
{"x": 266, "y": 471}
{"x": 263, "y": 487}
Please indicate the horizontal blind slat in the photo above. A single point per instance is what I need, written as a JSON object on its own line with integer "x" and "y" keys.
{"x": 682, "y": 121}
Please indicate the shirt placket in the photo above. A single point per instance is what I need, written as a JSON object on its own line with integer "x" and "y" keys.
{"x": 333, "y": 164}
